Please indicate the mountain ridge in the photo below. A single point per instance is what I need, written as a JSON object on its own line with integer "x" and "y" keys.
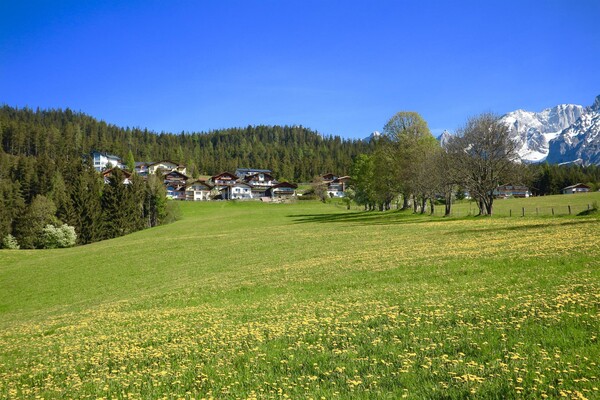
{"x": 566, "y": 133}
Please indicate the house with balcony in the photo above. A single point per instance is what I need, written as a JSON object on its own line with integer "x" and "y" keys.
{"x": 236, "y": 191}
{"x": 223, "y": 179}
{"x": 506, "y": 191}
{"x": 198, "y": 191}
{"x": 107, "y": 174}
{"x": 336, "y": 185}
{"x": 260, "y": 183}
{"x": 244, "y": 172}
{"x": 166, "y": 166}
{"x": 282, "y": 190}
{"x": 103, "y": 161}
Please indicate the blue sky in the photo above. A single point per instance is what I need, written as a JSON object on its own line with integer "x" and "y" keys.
{"x": 338, "y": 67}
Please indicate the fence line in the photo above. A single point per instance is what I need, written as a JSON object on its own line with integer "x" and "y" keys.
{"x": 518, "y": 211}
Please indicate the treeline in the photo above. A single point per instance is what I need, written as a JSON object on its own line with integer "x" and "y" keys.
{"x": 46, "y": 180}
{"x": 293, "y": 153}
{"x": 88, "y": 207}
{"x": 552, "y": 178}
{"x": 407, "y": 165}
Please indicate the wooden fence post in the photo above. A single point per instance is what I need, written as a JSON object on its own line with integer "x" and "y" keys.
{"x": 510, "y": 212}
{"x": 523, "y": 211}
{"x": 569, "y": 210}
{"x": 553, "y": 211}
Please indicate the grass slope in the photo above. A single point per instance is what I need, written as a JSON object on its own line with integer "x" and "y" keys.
{"x": 245, "y": 300}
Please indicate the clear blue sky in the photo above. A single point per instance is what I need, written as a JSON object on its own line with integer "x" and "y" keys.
{"x": 339, "y": 67}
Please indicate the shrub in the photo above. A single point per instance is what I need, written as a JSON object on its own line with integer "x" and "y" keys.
{"x": 9, "y": 242}
{"x": 58, "y": 237}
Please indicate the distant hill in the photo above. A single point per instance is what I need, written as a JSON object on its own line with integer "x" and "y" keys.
{"x": 291, "y": 152}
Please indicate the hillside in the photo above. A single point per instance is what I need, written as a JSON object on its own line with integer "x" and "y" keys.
{"x": 243, "y": 300}
{"x": 292, "y": 152}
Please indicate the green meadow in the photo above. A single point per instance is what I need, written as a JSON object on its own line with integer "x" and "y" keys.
{"x": 308, "y": 300}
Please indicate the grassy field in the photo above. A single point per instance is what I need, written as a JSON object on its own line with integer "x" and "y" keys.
{"x": 308, "y": 300}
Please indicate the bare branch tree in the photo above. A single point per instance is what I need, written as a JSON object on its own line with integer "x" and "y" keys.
{"x": 483, "y": 156}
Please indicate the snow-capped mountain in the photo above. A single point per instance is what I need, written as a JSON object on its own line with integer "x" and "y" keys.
{"x": 373, "y": 136}
{"x": 533, "y": 131}
{"x": 562, "y": 134}
{"x": 579, "y": 143}
{"x": 444, "y": 137}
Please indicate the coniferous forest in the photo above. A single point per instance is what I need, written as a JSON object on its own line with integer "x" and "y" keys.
{"x": 46, "y": 177}
{"x": 48, "y": 186}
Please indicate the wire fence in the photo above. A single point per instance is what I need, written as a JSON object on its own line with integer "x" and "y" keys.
{"x": 499, "y": 210}
{"x": 530, "y": 211}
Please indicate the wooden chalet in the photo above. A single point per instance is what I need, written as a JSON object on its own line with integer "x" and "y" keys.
{"x": 260, "y": 182}
{"x": 198, "y": 191}
{"x": 328, "y": 177}
{"x": 577, "y": 188}
{"x": 282, "y": 190}
{"x": 336, "y": 186}
{"x": 244, "y": 172}
{"x": 506, "y": 191}
{"x": 109, "y": 172}
{"x": 175, "y": 177}
{"x": 141, "y": 168}
{"x": 223, "y": 179}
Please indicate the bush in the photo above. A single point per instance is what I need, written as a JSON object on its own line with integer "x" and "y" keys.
{"x": 9, "y": 242}
{"x": 58, "y": 237}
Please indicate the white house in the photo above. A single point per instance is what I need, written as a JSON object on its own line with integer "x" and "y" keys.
{"x": 166, "y": 166}
{"x": 198, "y": 191}
{"x": 283, "y": 190}
{"x": 336, "y": 186}
{"x": 237, "y": 191}
{"x": 104, "y": 161}
{"x": 577, "y": 188}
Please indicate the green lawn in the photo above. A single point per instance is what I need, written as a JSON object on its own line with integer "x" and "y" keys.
{"x": 253, "y": 300}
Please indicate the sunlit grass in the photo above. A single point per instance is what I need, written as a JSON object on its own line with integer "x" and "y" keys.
{"x": 251, "y": 300}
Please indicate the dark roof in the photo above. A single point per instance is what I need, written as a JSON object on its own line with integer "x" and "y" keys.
{"x": 250, "y": 171}
{"x": 102, "y": 153}
{"x": 285, "y": 184}
{"x": 178, "y": 173}
{"x": 212, "y": 178}
{"x": 252, "y": 176}
{"x": 108, "y": 172}
{"x": 580, "y": 185}
{"x": 208, "y": 185}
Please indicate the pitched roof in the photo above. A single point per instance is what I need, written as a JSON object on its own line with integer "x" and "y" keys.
{"x": 200, "y": 181}
{"x": 177, "y": 173}
{"x": 252, "y": 176}
{"x": 109, "y": 172}
{"x": 212, "y": 178}
{"x": 285, "y": 184}
{"x": 577, "y": 185}
{"x": 102, "y": 153}
{"x": 164, "y": 161}
{"x": 246, "y": 171}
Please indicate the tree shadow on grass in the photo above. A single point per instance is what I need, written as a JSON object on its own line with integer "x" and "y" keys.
{"x": 366, "y": 218}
